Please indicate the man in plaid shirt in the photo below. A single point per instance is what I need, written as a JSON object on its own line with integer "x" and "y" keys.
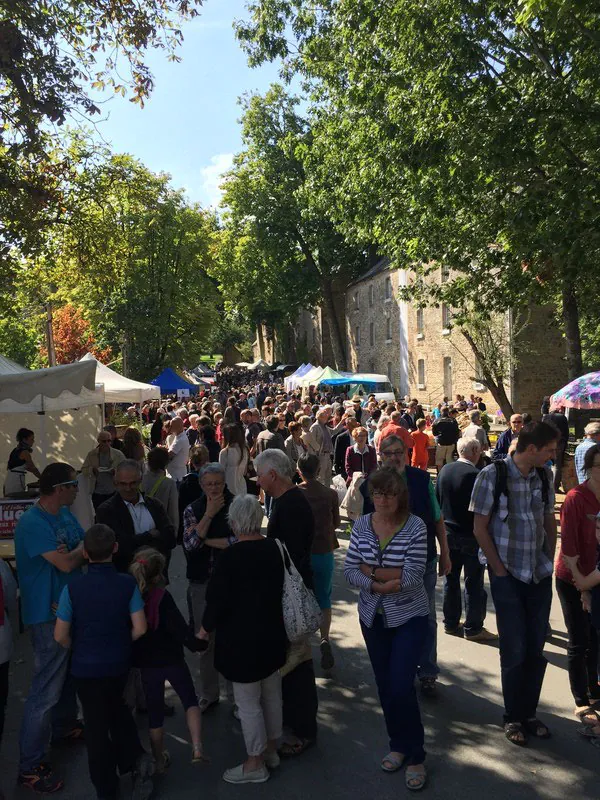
{"x": 517, "y": 533}
{"x": 592, "y": 437}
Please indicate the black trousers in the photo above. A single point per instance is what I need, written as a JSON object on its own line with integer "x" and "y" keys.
{"x": 110, "y": 733}
{"x": 3, "y": 694}
{"x": 300, "y": 702}
{"x": 582, "y": 650}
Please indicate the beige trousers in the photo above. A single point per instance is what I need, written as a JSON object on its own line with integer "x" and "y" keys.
{"x": 260, "y": 709}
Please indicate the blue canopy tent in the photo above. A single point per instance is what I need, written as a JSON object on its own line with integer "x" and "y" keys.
{"x": 169, "y": 382}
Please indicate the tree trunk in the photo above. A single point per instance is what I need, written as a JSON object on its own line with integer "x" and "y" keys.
{"x": 570, "y": 315}
{"x": 495, "y": 385}
{"x": 335, "y": 332}
{"x": 261, "y": 341}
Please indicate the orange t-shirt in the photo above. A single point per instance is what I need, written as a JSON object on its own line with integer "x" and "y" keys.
{"x": 420, "y": 454}
{"x": 396, "y": 430}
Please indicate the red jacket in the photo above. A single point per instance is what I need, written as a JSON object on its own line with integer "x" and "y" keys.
{"x": 578, "y": 531}
{"x": 360, "y": 462}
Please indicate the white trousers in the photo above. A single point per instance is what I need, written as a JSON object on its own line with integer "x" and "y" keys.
{"x": 259, "y": 705}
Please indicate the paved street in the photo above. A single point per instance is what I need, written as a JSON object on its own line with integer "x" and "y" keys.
{"x": 468, "y": 755}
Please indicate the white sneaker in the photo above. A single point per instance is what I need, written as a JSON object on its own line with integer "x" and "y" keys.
{"x": 237, "y": 775}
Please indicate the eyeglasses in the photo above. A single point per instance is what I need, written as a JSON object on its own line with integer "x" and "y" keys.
{"x": 386, "y": 495}
{"x": 128, "y": 484}
{"x": 387, "y": 453}
{"x": 66, "y": 483}
{"x": 217, "y": 485}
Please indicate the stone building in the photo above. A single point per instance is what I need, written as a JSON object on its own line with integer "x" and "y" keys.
{"x": 424, "y": 357}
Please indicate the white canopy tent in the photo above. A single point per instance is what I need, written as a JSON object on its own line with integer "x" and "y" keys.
{"x": 312, "y": 377}
{"x": 118, "y": 388}
{"x": 62, "y": 406}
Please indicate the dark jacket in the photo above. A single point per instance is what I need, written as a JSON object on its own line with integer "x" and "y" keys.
{"x": 341, "y": 443}
{"x": 503, "y": 445}
{"x": 446, "y": 431}
{"x": 202, "y": 561}
{"x": 189, "y": 490}
{"x": 244, "y": 608}
{"x": 409, "y": 422}
{"x": 453, "y": 489}
{"x": 292, "y": 522}
{"x": 114, "y": 513}
{"x": 163, "y": 647}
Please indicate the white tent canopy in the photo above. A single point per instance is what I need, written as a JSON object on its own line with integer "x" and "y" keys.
{"x": 312, "y": 377}
{"x": 118, "y": 388}
{"x": 52, "y": 389}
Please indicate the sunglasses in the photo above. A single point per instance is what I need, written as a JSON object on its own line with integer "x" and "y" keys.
{"x": 66, "y": 483}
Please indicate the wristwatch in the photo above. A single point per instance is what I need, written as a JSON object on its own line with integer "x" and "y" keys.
{"x": 372, "y": 576}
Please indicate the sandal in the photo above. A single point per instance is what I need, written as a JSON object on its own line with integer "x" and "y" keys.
{"x": 397, "y": 762}
{"x": 415, "y": 781}
{"x": 515, "y": 733}
{"x": 588, "y": 717}
{"x": 198, "y": 756}
{"x": 287, "y": 750}
{"x": 589, "y": 732}
{"x": 164, "y": 765}
{"x": 206, "y": 705}
{"x": 537, "y": 728}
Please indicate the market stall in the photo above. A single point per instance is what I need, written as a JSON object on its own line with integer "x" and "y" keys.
{"x": 118, "y": 388}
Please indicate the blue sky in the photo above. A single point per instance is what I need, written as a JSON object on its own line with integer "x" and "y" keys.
{"x": 189, "y": 127}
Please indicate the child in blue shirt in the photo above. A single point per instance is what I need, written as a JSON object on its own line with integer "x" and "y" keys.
{"x": 99, "y": 616}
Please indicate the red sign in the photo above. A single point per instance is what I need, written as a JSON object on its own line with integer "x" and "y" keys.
{"x": 10, "y": 513}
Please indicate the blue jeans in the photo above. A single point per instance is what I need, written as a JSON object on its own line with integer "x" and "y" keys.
{"x": 394, "y": 653}
{"x": 475, "y": 597}
{"x": 51, "y": 706}
{"x": 428, "y": 667}
{"x": 522, "y": 614}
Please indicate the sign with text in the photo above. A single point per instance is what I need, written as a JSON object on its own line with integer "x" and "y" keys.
{"x": 10, "y": 513}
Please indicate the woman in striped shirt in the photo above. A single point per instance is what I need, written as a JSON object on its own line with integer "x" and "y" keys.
{"x": 386, "y": 560}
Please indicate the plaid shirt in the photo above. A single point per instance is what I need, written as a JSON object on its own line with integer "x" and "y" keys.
{"x": 517, "y": 527}
{"x": 580, "y": 452}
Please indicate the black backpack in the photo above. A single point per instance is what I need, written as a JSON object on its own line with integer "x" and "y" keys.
{"x": 501, "y": 484}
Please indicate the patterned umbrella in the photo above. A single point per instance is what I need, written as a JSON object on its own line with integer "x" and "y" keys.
{"x": 583, "y": 392}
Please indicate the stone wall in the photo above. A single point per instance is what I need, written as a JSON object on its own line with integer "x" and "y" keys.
{"x": 372, "y": 307}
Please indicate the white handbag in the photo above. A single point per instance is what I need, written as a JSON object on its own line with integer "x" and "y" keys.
{"x": 301, "y": 612}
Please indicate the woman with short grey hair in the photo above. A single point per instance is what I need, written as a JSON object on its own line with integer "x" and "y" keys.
{"x": 244, "y": 612}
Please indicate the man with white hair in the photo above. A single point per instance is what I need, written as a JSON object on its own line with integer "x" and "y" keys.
{"x": 475, "y": 430}
{"x": 454, "y": 487}
{"x": 320, "y": 442}
{"x": 291, "y": 521}
{"x": 592, "y": 437}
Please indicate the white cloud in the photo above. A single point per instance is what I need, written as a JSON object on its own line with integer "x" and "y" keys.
{"x": 211, "y": 178}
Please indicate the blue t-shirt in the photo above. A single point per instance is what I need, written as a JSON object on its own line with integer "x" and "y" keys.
{"x": 40, "y": 582}
{"x": 65, "y": 609}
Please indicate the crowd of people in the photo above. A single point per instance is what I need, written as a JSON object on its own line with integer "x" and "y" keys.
{"x": 248, "y": 480}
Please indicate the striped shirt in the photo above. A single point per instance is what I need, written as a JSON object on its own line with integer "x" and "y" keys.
{"x": 407, "y": 550}
{"x": 517, "y": 527}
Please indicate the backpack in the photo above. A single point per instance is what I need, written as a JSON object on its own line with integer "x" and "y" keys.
{"x": 501, "y": 485}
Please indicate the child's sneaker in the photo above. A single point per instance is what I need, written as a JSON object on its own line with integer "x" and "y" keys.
{"x": 41, "y": 779}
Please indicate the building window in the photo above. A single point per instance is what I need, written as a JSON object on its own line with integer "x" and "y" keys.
{"x": 356, "y": 300}
{"x": 372, "y": 334}
{"x": 389, "y": 371}
{"x": 357, "y": 335}
{"x": 388, "y": 288}
{"x": 388, "y": 329}
{"x": 421, "y": 373}
{"x": 447, "y": 376}
{"x": 420, "y": 322}
{"x": 445, "y": 274}
{"x": 371, "y": 295}
{"x": 446, "y": 318}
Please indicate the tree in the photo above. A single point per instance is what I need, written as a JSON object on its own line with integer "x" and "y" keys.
{"x": 73, "y": 337}
{"x": 277, "y": 220}
{"x": 463, "y": 134}
{"x": 53, "y": 55}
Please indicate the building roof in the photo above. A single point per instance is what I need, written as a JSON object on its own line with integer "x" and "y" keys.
{"x": 383, "y": 265}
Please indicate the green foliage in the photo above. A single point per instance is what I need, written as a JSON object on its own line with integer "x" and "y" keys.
{"x": 455, "y": 133}
{"x": 279, "y": 250}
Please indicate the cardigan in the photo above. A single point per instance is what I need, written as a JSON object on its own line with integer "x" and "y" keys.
{"x": 408, "y": 550}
